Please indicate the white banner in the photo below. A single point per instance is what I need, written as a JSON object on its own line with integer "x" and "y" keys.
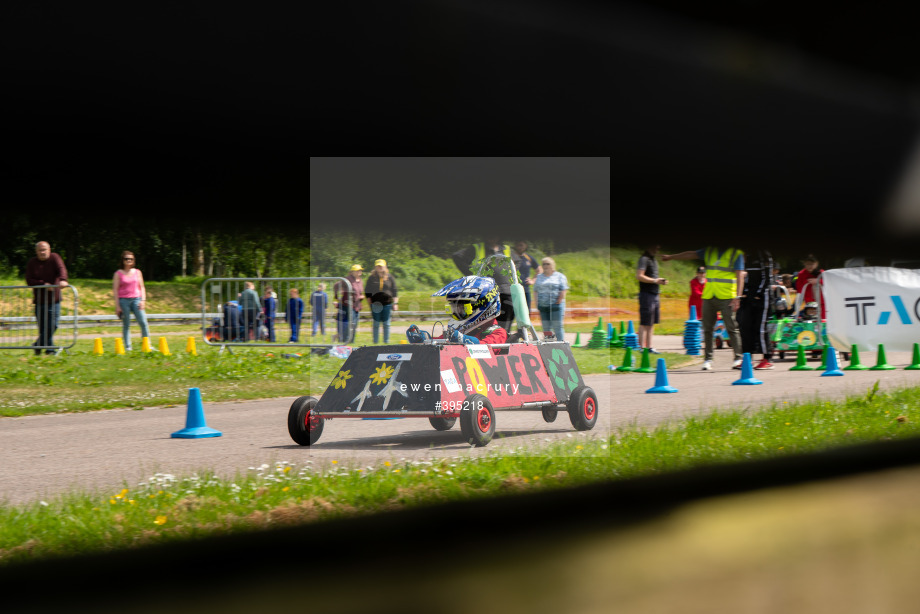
{"x": 868, "y": 306}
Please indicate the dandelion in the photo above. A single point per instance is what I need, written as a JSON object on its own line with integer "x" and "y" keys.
{"x": 386, "y": 463}
{"x": 335, "y": 462}
{"x": 285, "y": 489}
{"x": 287, "y": 469}
{"x": 160, "y": 520}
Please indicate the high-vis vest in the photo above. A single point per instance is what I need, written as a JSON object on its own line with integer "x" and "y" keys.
{"x": 721, "y": 278}
{"x": 481, "y": 253}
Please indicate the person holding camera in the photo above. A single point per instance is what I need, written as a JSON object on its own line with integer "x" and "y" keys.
{"x": 649, "y": 288}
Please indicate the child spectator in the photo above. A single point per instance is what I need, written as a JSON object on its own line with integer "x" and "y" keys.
{"x": 319, "y": 300}
{"x": 269, "y": 310}
{"x": 294, "y": 313}
{"x": 697, "y": 285}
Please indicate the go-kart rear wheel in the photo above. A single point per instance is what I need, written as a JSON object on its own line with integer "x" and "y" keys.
{"x": 442, "y": 424}
{"x": 304, "y": 425}
{"x": 550, "y": 415}
{"x": 477, "y": 420}
{"x": 718, "y": 343}
{"x": 582, "y": 408}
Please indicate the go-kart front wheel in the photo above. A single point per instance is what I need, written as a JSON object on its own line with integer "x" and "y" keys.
{"x": 582, "y": 408}
{"x": 477, "y": 420}
{"x": 304, "y": 425}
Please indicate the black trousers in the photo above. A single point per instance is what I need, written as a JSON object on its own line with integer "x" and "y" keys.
{"x": 752, "y": 324}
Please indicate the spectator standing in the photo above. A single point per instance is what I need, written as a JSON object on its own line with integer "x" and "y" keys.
{"x": 471, "y": 257}
{"x": 46, "y": 268}
{"x": 269, "y": 312}
{"x": 649, "y": 294}
{"x": 319, "y": 300}
{"x": 233, "y": 328}
{"x": 697, "y": 285}
{"x": 724, "y": 278}
{"x": 755, "y": 306}
{"x": 381, "y": 293}
{"x": 294, "y": 314}
{"x": 551, "y": 287}
{"x": 250, "y": 306}
{"x": 807, "y": 278}
{"x": 526, "y": 264}
{"x": 130, "y": 295}
{"x": 348, "y": 295}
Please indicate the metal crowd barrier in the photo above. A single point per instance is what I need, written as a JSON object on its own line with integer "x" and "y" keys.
{"x": 234, "y": 326}
{"x": 21, "y": 321}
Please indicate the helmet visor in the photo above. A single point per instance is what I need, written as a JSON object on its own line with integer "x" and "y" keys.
{"x": 459, "y": 310}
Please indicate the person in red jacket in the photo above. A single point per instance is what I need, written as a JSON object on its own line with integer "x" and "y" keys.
{"x": 473, "y": 304}
{"x": 697, "y": 284}
{"x": 807, "y": 279}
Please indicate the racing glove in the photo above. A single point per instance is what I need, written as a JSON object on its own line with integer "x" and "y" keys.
{"x": 415, "y": 335}
{"x": 455, "y": 336}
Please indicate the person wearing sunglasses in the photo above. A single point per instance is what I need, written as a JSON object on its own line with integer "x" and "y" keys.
{"x": 130, "y": 297}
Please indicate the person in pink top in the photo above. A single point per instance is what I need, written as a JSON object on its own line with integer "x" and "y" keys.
{"x": 130, "y": 297}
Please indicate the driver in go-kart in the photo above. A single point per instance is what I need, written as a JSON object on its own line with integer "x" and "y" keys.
{"x": 473, "y": 304}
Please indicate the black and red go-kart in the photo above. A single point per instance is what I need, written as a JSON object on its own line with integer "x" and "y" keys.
{"x": 445, "y": 382}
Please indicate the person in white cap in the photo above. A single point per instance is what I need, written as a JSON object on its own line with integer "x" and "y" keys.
{"x": 349, "y": 296}
{"x": 381, "y": 293}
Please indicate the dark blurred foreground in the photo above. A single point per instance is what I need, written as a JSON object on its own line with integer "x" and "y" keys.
{"x": 829, "y": 532}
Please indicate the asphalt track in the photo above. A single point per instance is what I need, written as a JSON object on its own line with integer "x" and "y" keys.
{"x": 45, "y": 456}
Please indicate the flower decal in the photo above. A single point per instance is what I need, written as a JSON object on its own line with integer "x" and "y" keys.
{"x": 382, "y": 374}
{"x": 341, "y": 379}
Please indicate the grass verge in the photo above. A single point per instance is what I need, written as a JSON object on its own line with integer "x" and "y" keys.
{"x": 167, "y": 507}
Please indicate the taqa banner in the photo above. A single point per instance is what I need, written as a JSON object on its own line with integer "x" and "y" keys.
{"x": 868, "y": 306}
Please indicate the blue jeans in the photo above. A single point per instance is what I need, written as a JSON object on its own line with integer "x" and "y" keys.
{"x": 47, "y": 316}
{"x": 347, "y": 330}
{"x": 129, "y": 306}
{"x": 552, "y": 316}
{"x": 381, "y": 315}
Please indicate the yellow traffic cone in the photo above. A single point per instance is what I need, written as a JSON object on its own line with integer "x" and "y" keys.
{"x": 145, "y": 345}
{"x": 164, "y": 348}
{"x": 190, "y": 346}
{"x": 119, "y": 347}
{"x": 97, "y": 346}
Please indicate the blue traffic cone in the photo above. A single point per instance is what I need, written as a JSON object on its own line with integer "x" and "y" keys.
{"x": 747, "y": 373}
{"x": 194, "y": 419}
{"x": 661, "y": 379}
{"x": 693, "y": 315}
{"x": 831, "y": 368}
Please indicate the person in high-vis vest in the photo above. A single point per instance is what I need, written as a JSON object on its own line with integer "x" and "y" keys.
{"x": 724, "y": 287}
{"x": 468, "y": 260}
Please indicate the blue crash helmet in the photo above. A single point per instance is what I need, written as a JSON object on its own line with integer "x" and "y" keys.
{"x": 471, "y": 301}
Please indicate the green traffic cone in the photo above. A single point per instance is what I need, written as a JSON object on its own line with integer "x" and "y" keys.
{"x": 645, "y": 366}
{"x": 627, "y": 361}
{"x": 915, "y": 363}
{"x": 881, "y": 363}
{"x": 823, "y": 365}
{"x": 622, "y": 328}
{"x": 615, "y": 341}
{"x": 801, "y": 362}
{"x": 577, "y": 339}
{"x": 854, "y": 360}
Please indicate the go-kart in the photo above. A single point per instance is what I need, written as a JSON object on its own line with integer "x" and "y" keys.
{"x": 789, "y": 334}
{"x": 448, "y": 382}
